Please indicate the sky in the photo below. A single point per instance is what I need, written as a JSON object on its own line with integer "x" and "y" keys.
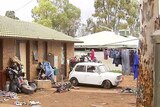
{"x": 23, "y": 8}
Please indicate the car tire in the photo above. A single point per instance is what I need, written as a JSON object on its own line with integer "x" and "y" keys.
{"x": 33, "y": 85}
{"x": 74, "y": 81}
{"x": 27, "y": 89}
{"x": 107, "y": 84}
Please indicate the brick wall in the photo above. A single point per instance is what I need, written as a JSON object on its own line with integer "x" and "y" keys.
{"x": 54, "y": 47}
{"x": 9, "y": 50}
{"x": 70, "y": 53}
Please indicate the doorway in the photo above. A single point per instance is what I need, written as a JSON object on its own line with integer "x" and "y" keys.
{"x": 21, "y": 54}
{"x": 63, "y": 60}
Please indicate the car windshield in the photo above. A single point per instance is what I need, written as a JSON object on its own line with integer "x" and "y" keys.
{"x": 103, "y": 69}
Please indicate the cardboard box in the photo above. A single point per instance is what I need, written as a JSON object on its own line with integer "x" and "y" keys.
{"x": 45, "y": 84}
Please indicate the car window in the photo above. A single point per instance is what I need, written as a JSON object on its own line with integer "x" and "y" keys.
{"x": 80, "y": 68}
{"x": 91, "y": 69}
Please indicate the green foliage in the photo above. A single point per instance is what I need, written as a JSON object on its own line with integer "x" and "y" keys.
{"x": 117, "y": 71}
{"x": 59, "y": 15}
{"x": 114, "y": 14}
{"x": 11, "y": 14}
{"x": 44, "y": 12}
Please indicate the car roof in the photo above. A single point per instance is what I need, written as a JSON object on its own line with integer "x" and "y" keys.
{"x": 89, "y": 63}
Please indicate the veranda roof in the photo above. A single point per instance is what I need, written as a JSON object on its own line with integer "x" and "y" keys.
{"x": 10, "y": 28}
{"x": 106, "y": 39}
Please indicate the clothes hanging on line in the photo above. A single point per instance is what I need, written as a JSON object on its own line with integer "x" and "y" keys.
{"x": 125, "y": 61}
{"x": 135, "y": 65}
{"x": 117, "y": 57}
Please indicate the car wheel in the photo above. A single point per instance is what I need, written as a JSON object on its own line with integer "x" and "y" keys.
{"x": 74, "y": 81}
{"x": 33, "y": 85}
{"x": 107, "y": 84}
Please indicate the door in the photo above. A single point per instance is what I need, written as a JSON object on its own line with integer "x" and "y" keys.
{"x": 157, "y": 76}
{"x": 22, "y": 49}
{"x": 80, "y": 73}
{"x": 92, "y": 76}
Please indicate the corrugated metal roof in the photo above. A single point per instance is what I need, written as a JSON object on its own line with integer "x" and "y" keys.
{"x": 10, "y": 28}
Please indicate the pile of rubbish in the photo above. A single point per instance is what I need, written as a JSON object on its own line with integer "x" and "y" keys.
{"x": 128, "y": 90}
{"x": 17, "y": 82}
{"x": 7, "y": 95}
{"x": 31, "y": 103}
{"x": 62, "y": 87}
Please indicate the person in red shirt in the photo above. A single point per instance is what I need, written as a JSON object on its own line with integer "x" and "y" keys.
{"x": 92, "y": 54}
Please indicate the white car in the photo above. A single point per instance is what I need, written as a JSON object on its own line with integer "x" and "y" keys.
{"x": 95, "y": 74}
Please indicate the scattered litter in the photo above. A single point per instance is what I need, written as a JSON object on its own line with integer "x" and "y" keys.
{"x": 99, "y": 104}
{"x": 5, "y": 99}
{"x": 35, "y": 106}
{"x": 1, "y": 100}
{"x": 63, "y": 87}
{"x": 12, "y": 95}
{"x": 20, "y": 103}
{"x": 17, "y": 103}
{"x": 104, "y": 103}
{"x": 56, "y": 101}
{"x": 94, "y": 105}
{"x": 73, "y": 87}
{"x": 127, "y": 90}
{"x": 34, "y": 103}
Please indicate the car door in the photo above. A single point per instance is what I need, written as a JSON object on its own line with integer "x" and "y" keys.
{"x": 80, "y": 73}
{"x": 92, "y": 76}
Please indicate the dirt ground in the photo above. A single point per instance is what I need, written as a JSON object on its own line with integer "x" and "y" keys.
{"x": 85, "y": 96}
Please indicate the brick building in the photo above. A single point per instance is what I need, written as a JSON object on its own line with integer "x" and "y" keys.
{"x": 33, "y": 43}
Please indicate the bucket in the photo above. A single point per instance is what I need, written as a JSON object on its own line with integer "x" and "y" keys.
{"x": 7, "y": 86}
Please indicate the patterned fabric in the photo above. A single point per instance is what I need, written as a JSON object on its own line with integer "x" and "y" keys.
{"x": 49, "y": 71}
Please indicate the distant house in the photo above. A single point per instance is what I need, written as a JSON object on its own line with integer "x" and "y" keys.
{"x": 33, "y": 43}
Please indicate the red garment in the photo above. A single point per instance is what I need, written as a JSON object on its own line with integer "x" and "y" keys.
{"x": 92, "y": 54}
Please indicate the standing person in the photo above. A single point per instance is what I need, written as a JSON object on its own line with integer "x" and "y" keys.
{"x": 92, "y": 55}
{"x": 105, "y": 54}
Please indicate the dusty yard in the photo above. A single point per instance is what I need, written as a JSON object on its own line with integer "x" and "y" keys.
{"x": 85, "y": 96}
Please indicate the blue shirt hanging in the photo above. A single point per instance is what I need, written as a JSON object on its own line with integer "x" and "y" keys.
{"x": 135, "y": 65}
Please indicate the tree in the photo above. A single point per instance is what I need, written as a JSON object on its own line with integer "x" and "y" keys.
{"x": 44, "y": 13}
{"x": 82, "y": 30}
{"x": 11, "y": 14}
{"x": 95, "y": 26}
{"x": 58, "y": 14}
{"x": 116, "y": 14}
{"x": 148, "y": 79}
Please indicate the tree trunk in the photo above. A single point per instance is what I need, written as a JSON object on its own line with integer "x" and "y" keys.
{"x": 148, "y": 13}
